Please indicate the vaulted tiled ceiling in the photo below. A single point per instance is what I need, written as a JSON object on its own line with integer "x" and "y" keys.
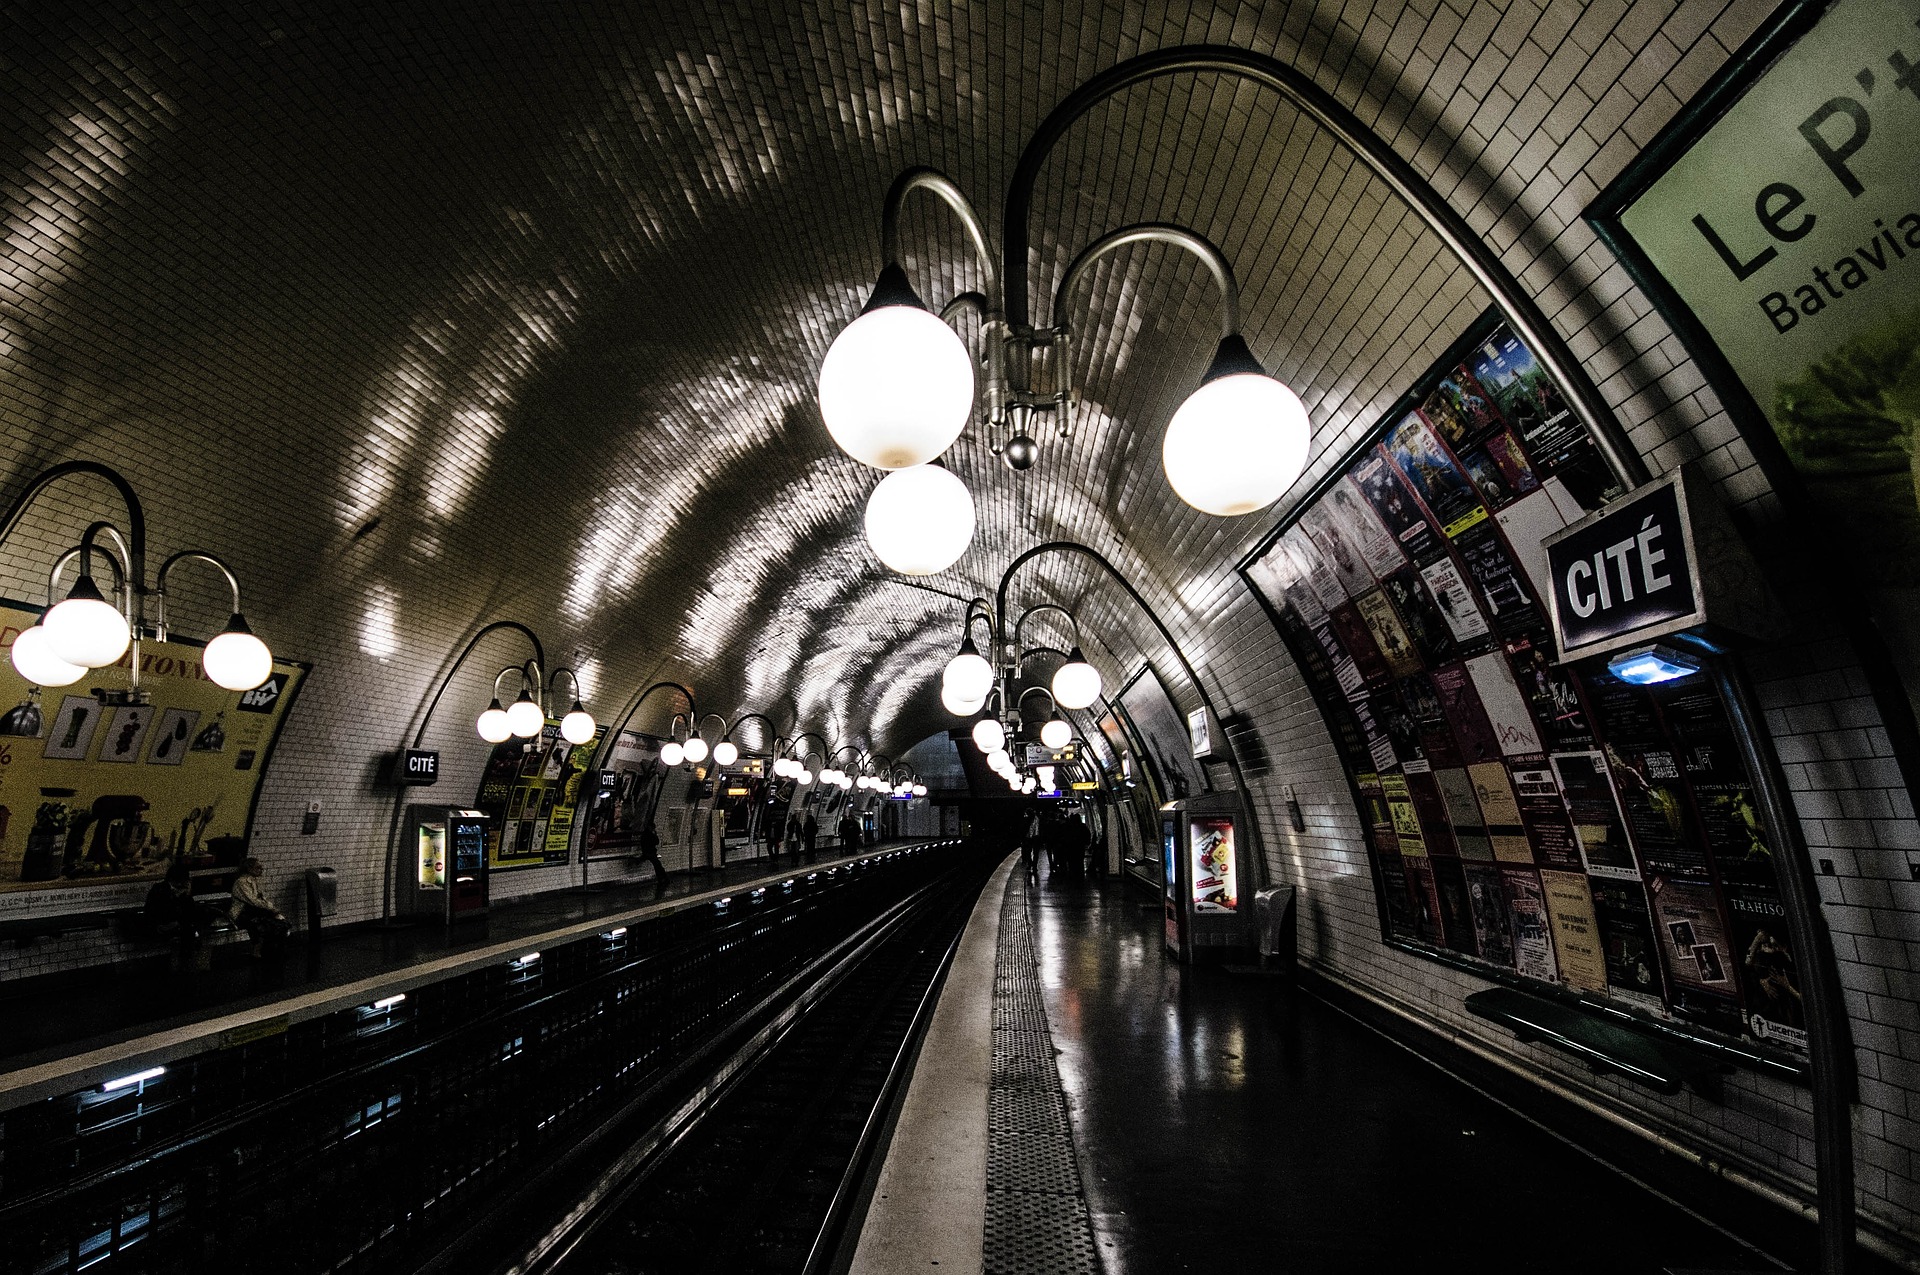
{"x": 426, "y": 314}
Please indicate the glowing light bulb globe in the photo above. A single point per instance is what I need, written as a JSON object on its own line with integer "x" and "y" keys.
{"x": 999, "y": 759}
{"x": 237, "y": 660}
{"x": 1055, "y": 734}
{"x": 33, "y": 659}
{"x": 805, "y": 776}
{"x": 493, "y": 726}
{"x": 968, "y": 676}
{"x": 896, "y": 387}
{"x": 919, "y": 520}
{"x": 696, "y": 750}
{"x": 919, "y": 790}
{"x": 988, "y": 735}
{"x": 1236, "y": 444}
{"x": 89, "y": 631}
{"x": 1076, "y": 684}
{"x": 726, "y": 752}
{"x": 524, "y": 718}
{"x": 577, "y": 726}
{"x": 958, "y": 705}
{"x": 672, "y": 754}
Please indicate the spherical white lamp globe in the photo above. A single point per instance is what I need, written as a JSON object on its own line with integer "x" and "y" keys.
{"x": 726, "y": 752}
{"x": 672, "y": 754}
{"x": 237, "y": 660}
{"x": 1027, "y": 785}
{"x": 577, "y": 726}
{"x": 88, "y": 630}
{"x": 959, "y": 706}
{"x": 988, "y": 735}
{"x": 525, "y": 718}
{"x": 968, "y": 675}
{"x": 1055, "y": 734}
{"x": 696, "y": 750}
{"x": 805, "y": 776}
{"x": 33, "y": 659}
{"x": 896, "y": 387}
{"x": 493, "y": 726}
{"x": 1076, "y": 684}
{"x": 998, "y": 758}
{"x": 919, "y": 790}
{"x": 920, "y": 520}
{"x": 1236, "y": 444}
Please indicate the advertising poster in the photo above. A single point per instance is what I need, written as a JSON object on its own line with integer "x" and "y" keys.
{"x": 1406, "y": 824}
{"x": 1781, "y": 227}
{"x": 1162, "y": 733}
{"x": 1507, "y": 596}
{"x": 1597, "y": 821}
{"x": 1543, "y": 811}
{"x": 1550, "y": 696}
{"x": 1456, "y": 911}
{"x": 1323, "y": 526}
{"x": 1429, "y": 719}
{"x": 531, "y": 788}
{"x": 1401, "y": 922}
{"x": 1425, "y": 624}
{"x": 1768, "y": 970}
{"x": 1506, "y": 830}
{"x": 1454, "y": 600}
{"x": 613, "y": 827}
{"x": 105, "y": 795}
{"x": 1215, "y": 876}
{"x": 1426, "y": 901}
{"x": 1453, "y": 686}
{"x": 1532, "y": 928}
{"x": 1576, "y": 933}
{"x": 1361, "y": 526}
{"x": 1383, "y": 623}
{"x": 1491, "y": 926}
{"x": 1534, "y": 408}
{"x": 1434, "y": 477}
{"x": 1507, "y": 713}
{"x": 1393, "y": 504}
{"x": 1626, "y": 933}
{"x": 1693, "y": 937}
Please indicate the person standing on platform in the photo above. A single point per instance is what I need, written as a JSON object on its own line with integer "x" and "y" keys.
{"x": 772, "y": 830}
{"x": 264, "y": 923}
{"x": 650, "y": 851}
{"x": 794, "y": 839}
{"x": 809, "y": 834}
{"x": 849, "y": 831}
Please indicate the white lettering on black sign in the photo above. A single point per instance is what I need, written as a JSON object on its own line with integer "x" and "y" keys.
{"x": 1624, "y": 572}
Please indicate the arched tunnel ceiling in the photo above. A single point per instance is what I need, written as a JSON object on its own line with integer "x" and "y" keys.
{"x": 457, "y": 311}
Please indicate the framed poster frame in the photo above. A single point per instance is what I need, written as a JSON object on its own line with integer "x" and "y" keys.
{"x": 1605, "y": 214}
{"x": 1736, "y": 1051}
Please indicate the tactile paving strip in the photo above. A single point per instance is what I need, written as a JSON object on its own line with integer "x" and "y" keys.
{"x": 1037, "y": 1221}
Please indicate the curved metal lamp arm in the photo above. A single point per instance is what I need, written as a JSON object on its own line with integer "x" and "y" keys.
{"x": 539, "y": 656}
{"x": 572, "y": 677}
{"x": 808, "y": 734}
{"x": 940, "y": 184}
{"x": 853, "y": 748}
{"x": 122, "y": 568}
{"x": 973, "y": 301}
{"x": 606, "y": 744}
{"x": 773, "y": 732}
{"x": 1481, "y": 260}
{"x": 1038, "y": 690}
{"x": 1021, "y": 623}
{"x": 160, "y": 585}
{"x": 702, "y": 721}
{"x": 1156, "y": 232}
{"x": 136, "y": 547}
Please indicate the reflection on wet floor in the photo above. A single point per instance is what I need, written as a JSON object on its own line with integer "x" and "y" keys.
{"x": 1234, "y": 1122}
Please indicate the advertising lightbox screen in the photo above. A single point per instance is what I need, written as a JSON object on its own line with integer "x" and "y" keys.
{"x": 1538, "y": 821}
{"x": 1215, "y": 876}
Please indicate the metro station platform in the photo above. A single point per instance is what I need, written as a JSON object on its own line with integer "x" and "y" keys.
{"x": 54, "y": 1037}
{"x": 1085, "y": 1103}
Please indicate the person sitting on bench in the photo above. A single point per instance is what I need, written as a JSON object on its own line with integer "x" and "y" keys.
{"x": 264, "y": 923}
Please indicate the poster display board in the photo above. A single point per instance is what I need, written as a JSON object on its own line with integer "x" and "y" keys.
{"x": 530, "y": 790}
{"x": 109, "y": 794}
{"x": 1216, "y": 880}
{"x": 1542, "y": 821}
{"x": 1776, "y": 224}
{"x": 1160, "y": 733}
{"x": 613, "y": 824}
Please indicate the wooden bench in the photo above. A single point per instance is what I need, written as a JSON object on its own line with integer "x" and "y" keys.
{"x": 1606, "y": 1046}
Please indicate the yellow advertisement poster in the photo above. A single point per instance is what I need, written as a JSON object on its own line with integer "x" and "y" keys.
{"x": 108, "y": 793}
{"x": 531, "y": 788}
{"x": 1576, "y": 934}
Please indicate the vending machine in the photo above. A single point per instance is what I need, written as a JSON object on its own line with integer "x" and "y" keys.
{"x": 1208, "y": 900}
{"x": 445, "y": 874}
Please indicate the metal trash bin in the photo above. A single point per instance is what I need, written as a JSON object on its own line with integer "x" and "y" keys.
{"x": 1272, "y": 909}
{"x": 323, "y": 896}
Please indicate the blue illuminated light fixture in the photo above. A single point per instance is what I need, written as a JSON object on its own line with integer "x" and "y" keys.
{"x": 1651, "y": 665}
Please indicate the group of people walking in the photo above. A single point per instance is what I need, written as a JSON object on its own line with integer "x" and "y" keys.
{"x": 1067, "y": 843}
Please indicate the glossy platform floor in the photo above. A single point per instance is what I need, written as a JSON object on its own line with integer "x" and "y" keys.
{"x": 1231, "y": 1122}
{"x": 38, "y": 1023}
